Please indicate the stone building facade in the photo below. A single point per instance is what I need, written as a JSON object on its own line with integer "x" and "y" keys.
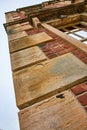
{"x": 49, "y": 65}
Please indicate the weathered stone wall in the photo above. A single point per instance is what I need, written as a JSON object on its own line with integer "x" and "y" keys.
{"x": 49, "y": 68}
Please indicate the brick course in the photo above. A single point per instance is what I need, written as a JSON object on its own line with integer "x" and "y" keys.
{"x": 83, "y": 99}
{"x": 80, "y": 91}
{"x": 57, "y": 47}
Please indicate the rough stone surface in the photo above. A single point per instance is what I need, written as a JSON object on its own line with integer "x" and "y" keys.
{"x": 36, "y": 22}
{"x": 17, "y": 35}
{"x": 16, "y": 25}
{"x": 47, "y": 78}
{"x": 29, "y": 41}
{"x": 19, "y": 44}
{"x": 67, "y": 20}
{"x": 61, "y": 112}
{"x": 84, "y": 17}
{"x": 26, "y": 57}
{"x": 23, "y": 27}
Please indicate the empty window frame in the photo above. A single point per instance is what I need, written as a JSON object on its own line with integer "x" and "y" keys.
{"x": 76, "y": 31}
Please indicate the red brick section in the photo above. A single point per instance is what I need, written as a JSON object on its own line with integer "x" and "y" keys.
{"x": 33, "y": 31}
{"x": 81, "y": 93}
{"x": 86, "y": 108}
{"x": 57, "y": 47}
{"x": 81, "y": 55}
{"x": 78, "y": 89}
{"x": 38, "y": 30}
{"x": 83, "y": 99}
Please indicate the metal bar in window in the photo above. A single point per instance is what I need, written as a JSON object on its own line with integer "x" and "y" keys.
{"x": 84, "y": 40}
{"x": 78, "y": 35}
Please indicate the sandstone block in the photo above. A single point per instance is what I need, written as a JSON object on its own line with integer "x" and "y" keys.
{"x": 47, "y": 78}
{"x": 36, "y": 22}
{"x": 29, "y": 41}
{"x": 60, "y": 112}
{"x": 27, "y": 57}
{"x": 17, "y": 35}
{"x": 23, "y": 27}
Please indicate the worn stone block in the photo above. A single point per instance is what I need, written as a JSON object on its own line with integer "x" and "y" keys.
{"x": 17, "y": 35}
{"x": 47, "y": 78}
{"x": 23, "y": 27}
{"x": 84, "y": 17}
{"x": 16, "y": 25}
{"x": 61, "y": 112}
{"x": 26, "y": 27}
{"x": 27, "y": 57}
{"x": 36, "y": 22}
{"x": 19, "y": 44}
{"x": 29, "y": 41}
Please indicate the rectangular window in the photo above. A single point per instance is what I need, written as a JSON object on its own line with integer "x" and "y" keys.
{"x": 77, "y": 31}
{"x": 70, "y": 28}
{"x": 85, "y": 42}
{"x": 82, "y": 33}
{"x": 74, "y": 36}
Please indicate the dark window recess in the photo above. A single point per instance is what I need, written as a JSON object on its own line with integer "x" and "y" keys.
{"x": 62, "y": 30}
{"x": 70, "y": 28}
{"x": 80, "y": 25}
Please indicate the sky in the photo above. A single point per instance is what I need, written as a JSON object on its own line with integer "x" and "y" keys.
{"x": 8, "y": 109}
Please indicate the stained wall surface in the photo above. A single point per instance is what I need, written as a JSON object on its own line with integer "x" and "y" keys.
{"x": 49, "y": 67}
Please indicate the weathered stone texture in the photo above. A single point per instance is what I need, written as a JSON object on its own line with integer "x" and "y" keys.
{"x": 29, "y": 41}
{"x": 22, "y": 28}
{"x": 84, "y": 17}
{"x": 64, "y": 21}
{"x": 39, "y": 81}
{"x": 17, "y": 35}
{"x": 27, "y": 57}
{"x": 60, "y": 112}
{"x": 47, "y": 78}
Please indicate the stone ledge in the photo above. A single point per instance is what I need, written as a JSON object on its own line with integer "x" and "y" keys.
{"x": 58, "y": 112}
{"x": 27, "y": 57}
{"x": 17, "y": 35}
{"x": 29, "y": 41}
{"x": 48, "y": 78}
